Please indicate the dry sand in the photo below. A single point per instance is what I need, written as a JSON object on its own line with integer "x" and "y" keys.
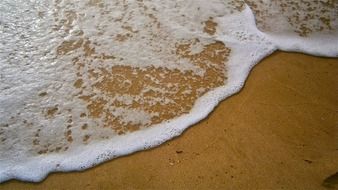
{"x": 279, "y": 132}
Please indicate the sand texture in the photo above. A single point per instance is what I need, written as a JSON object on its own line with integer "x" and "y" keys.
{"x": 279, "y": 132}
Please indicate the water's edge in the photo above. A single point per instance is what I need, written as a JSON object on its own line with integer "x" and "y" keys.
{"x": 35, "y": 170}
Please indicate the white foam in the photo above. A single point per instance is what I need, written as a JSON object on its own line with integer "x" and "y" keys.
{"x": 29, "y": 65}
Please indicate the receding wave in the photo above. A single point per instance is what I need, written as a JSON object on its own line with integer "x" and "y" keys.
{"x": 83, "y": 82}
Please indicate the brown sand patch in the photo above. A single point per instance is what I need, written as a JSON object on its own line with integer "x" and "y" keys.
{"x": 169, "y": 93}
{"x": 210, "y": 27}
{"x": 51, "y": 111}
{"x": 305, "y": 17}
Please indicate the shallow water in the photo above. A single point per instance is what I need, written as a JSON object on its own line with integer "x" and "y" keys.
{"x": 87, "y": 81}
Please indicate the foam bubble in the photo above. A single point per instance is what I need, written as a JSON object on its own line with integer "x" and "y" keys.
{"x": 304, "y": 26}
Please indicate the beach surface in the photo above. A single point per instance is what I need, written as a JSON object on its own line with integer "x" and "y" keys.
{"x": 279, "y": 132}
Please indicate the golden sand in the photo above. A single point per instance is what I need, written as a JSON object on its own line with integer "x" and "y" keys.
{"x": 279, "y": 132}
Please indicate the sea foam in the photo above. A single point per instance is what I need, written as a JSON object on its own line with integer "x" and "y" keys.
{"x": 83, "y": 82}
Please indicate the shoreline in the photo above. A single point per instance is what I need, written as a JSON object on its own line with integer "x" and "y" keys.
{"x": 287, "y": 108}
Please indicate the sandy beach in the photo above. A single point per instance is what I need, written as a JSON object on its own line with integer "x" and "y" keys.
{"x": 279, "y": 132}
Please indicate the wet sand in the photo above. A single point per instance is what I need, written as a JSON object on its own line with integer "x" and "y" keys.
{"x": 279, "y": 132}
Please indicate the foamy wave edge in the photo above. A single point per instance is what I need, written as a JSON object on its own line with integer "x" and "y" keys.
{"x": 35, "y": 170}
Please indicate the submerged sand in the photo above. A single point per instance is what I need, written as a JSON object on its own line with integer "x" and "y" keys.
{"x": 279, "y": 132}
